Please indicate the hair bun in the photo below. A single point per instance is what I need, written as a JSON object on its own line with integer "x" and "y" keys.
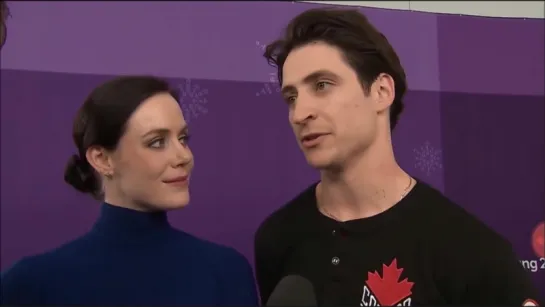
{"x": 78, "y": 174}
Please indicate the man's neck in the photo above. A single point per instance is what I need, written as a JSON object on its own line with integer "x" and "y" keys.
{"x": 368, "y": 185}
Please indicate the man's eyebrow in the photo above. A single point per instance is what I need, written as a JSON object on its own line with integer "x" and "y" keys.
{"x": 310, "y": 78}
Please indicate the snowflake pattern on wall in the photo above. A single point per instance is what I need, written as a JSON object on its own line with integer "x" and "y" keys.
{"x": 260, "y": 45}
{"x": 193, "y": 100}
{"x": 271, "y": 86}
{"x": 428, "y": 159}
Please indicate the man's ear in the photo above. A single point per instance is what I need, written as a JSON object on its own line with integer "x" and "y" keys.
{"x": 383, "y": 90}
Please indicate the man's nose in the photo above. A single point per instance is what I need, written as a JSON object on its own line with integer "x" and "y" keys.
{"x": 302, "y": 110}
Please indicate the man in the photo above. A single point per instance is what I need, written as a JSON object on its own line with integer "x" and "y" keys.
{"x": 368, "y": 233}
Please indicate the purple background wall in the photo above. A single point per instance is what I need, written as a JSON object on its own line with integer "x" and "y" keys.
{"x": 474, "y": 125}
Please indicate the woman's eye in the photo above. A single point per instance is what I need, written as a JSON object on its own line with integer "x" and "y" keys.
{"x": 184, "y": 139}
{"x": 159, "y": 143}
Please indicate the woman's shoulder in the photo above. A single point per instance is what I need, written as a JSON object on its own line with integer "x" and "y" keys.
{"x": 214, "y": 252}
{"x": 30, "y": 268}
{"x": 22, "y": 281}
{"x": 23, "y": 268}
{"x": 17, "y": 282}
{"x": 231, "y": 268}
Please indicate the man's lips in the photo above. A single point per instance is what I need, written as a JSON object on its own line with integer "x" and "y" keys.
{"x": 312, "y": 139}
{"x": 311, "y": 136}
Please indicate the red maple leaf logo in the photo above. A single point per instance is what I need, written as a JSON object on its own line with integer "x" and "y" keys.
{"x": 387, "y": 289}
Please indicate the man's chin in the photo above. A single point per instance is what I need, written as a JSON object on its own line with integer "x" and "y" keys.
{"x": 318, "y": 162}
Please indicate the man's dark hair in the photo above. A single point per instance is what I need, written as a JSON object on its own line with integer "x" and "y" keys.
{"x": 365, "y": 49}
{"x": 102, "y": 120}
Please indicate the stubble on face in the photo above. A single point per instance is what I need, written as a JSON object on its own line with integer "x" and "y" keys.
{"x": 324, "y": 94}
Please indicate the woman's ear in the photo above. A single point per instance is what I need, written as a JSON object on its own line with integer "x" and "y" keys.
{"x": 100, "y": 160}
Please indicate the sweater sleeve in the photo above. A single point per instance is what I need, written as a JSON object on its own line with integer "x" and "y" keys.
{"x": 501, "y": 280}
{"x": 18, "y": 285}
{"x": 238, "y": 283}
{"x": 268, "y": 261}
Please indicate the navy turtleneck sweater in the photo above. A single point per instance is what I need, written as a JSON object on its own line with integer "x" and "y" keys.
{"x": 132, "y": 258}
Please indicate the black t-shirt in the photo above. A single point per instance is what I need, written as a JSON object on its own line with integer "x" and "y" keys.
{"x": 425, "y": 250}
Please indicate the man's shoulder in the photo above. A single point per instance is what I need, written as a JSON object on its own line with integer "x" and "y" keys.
{"x": 470, "y": 254}
{"x": 442, "y": 213}
{"x": 287, "y": 218}
{"x": 457, "y": 230}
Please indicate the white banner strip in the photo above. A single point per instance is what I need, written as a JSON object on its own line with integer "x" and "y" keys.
{"x": 518, "y": 9}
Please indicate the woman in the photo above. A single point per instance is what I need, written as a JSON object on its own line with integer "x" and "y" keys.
{"x": 131, "y": 138}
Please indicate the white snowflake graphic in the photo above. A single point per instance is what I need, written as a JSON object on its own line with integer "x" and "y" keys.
{"x": 193, "y": 100}
{"x": 428, "y": 159}
{"x": 260, "y": 45}
{"x": 271, "y": 86}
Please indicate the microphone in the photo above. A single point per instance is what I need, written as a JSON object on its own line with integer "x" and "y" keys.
{"x": 293, "y": 290}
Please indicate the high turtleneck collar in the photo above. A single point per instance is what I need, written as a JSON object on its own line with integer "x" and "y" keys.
{"x": 116, "y": 220}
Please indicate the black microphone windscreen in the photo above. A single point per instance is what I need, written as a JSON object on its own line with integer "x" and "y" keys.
{"x": 293, "y": 290}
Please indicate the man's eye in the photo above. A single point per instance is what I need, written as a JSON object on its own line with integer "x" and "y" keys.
{"x": 322, "y": 85}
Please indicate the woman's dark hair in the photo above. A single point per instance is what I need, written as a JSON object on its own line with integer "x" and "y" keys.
{"x": 366, "y": 50}
{"x": 102, "y": 120}
{"x": 4, "y": 14}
